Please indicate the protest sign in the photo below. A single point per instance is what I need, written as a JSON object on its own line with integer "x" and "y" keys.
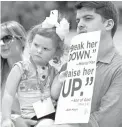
{"x": 75, "y": 99}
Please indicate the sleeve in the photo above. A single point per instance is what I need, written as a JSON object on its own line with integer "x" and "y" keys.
{"x": 20, "y": 65}
{"x": 110, "y": 111}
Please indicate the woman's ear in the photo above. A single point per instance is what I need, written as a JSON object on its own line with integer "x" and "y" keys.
{"x": 109, "y": 24}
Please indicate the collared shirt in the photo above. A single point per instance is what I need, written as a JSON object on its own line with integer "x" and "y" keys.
{"x": 106, "y": 107}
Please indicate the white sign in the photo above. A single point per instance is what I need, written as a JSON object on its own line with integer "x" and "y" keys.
{"x": 43, "y": 108}
{"x": 76, "y": 94}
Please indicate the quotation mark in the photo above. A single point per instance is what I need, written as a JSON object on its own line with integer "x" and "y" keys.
{"x": 94, "y": 50}
{"x": 89, "y": 81}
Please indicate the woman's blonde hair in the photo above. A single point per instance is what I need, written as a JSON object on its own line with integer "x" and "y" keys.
{"x": 15, "y": 29}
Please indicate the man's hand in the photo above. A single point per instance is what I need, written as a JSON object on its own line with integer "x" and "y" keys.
{"x": 20, "y": 122}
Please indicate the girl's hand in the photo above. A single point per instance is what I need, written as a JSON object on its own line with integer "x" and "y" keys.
{"x": 7, "y": 123}
{"x": 62, "y": 76}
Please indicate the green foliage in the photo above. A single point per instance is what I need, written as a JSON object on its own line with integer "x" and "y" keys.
{"x": 30, "y": 13}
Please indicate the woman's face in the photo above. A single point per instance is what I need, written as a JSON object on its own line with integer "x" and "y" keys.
{"x": 10, "y": 45}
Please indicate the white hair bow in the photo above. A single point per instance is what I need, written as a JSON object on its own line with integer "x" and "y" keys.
{"x": 62, "y": 28}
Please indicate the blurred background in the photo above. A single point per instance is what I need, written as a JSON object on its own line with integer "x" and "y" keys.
{"x": 29, "y": 13}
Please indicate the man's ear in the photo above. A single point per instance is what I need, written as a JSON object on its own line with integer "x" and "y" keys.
{"x": 109, "y": 24}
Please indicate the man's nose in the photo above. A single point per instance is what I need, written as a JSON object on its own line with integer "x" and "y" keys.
{"x": 81, "y": 25}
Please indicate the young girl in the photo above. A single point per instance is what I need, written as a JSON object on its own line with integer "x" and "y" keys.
{"x": 32, "y": 79}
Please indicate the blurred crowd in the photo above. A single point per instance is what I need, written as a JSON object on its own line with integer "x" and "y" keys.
{"x": 29, "y": 13}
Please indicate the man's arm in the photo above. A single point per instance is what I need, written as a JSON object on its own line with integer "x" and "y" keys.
{"x": 110, "y": 110}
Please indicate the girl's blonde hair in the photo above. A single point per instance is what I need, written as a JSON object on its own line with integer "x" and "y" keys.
{"x": 49, "y": 33}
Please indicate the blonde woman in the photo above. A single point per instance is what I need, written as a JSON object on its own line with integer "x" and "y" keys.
{"x": 12, "y": 42}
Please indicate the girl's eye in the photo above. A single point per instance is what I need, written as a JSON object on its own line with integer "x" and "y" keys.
{"x": 45, "y": 48}
{"x": 36, "y": 45}
{"x": 88, "y": 18}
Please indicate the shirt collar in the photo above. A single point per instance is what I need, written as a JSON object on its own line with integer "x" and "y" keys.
{"x": 107, "y": 56}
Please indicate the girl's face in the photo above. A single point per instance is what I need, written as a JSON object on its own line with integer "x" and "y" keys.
{"x": 10, "y": 45}
{"x": 42, "y": 49}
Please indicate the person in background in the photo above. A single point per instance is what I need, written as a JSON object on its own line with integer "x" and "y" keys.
{"x": 12, "y": 43}
{"x": 106, "y": 107}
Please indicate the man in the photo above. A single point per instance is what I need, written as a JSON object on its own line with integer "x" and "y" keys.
{"x": 106, "y": 107}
